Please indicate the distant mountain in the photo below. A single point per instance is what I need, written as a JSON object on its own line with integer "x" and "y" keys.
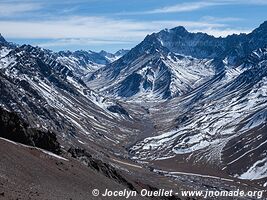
{"x": 113, "y": 57}
{"x": 201, "y": 45}
{"x": 150, "y": 76}
{"x": 121, "y": 52}
{"x": 173, "y": 62}
{"x": 147, "y": 71}
{"x": 81, "y": 62}
{"x": 84, "y": 62}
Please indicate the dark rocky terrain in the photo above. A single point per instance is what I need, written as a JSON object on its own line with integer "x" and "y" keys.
{"x": 13, "y": 128}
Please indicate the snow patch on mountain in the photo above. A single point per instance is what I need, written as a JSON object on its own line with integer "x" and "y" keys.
{"x": 257, "y": 171}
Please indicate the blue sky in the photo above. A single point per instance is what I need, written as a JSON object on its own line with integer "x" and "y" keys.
{"x": 116, "y": 24}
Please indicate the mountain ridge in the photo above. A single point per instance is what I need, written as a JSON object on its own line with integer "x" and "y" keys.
{"x": 233, "y": 48}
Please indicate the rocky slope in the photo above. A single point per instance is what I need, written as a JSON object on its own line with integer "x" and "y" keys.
{"x": 49, "y": 96}
{"x": 15, "y": 129}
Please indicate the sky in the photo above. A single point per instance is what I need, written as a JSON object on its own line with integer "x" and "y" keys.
{"x": 115, "y": 24}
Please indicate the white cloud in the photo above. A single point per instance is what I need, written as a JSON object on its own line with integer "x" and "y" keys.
{"x": 180, "y": 7}
{"x": 91, "y": 27}
{"x": 88, "y": 41}
{"x": 9, "y": 9}
{"x": 220, "y": 20}
{"x": 100, "y": 30}
{"x": 92, "y": 30}
{"x": 79, "y": 42}
{"x": 246, "y": 2}
{"x": 196, "y": 5}
{"x": 184, "y": 7}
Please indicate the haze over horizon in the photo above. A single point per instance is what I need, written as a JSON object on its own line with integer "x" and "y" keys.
{"x": 117, "y": 24}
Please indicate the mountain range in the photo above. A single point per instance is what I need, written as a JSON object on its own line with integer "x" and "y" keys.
{"x": 176, "y": 102}
{"x": 173, "y": 62}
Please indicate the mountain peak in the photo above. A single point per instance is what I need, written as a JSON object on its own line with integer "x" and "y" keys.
{"x": 103, "y": 52}
{"x": 2, "y": 39}
{"x": 261, "y": 28}
{"x": 106, "y": 54}
{"x": 121, "y": 52}
{"x": 264, "y": 24}
{"x": 179, "y": 29}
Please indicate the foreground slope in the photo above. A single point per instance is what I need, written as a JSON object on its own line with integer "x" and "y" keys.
{"x": 43, "y": 175}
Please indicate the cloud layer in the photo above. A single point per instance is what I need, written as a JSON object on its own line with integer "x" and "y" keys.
{"x": 11, "y": 9}
{"x": 100, "y": 30}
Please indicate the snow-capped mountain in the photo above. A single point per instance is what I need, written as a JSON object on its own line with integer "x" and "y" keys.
{"x": 201, "y": 45}
{"x": 173, "y": 62}
{"x": 86, "y": 62}
{"x": 5, "y": 47}
{"x": 81, "y": 62}
{"x": 151, "y": 71}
